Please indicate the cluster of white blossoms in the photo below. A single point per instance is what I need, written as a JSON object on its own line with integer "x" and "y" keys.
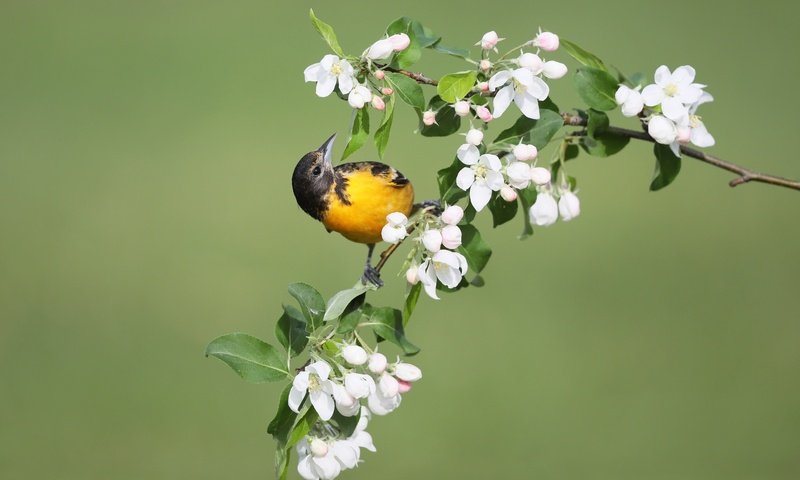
{"x": 332, "y": 71}
{"x": 672, "y": 103}
{"x": 545, "y": 210}
{"x": 364, "y": 384}
{"x": 437, "y": 261}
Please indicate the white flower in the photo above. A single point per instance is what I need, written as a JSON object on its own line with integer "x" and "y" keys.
{"x": 313, "y": 466}
{"x": 532, "y": 62}
{"x": 524, "y": 152}
{"x": 489, "y": 40}
{"x": 480, "y": 178}
{"x": 452, "y": 215}
{"x": 346, "y": 452}
{"x": 451, "y": 237}
{"x": 354, "y": 355}
{"x": 359, "y": 96}
{"x": 380, "y": 50}
{"x": 569, "y": 206}
{"x": 673, "y": 91}
{"x": 699, "y": 134}
{"x": 314, "y": 380}
{"x": 554, "y": 70}
{"x": 387, "y": 385}
{"x": 407, "y": 372}
{"x": 547, "y": 41}
{"x": 468, "y": 154}
{"x": 462, "y": 108}
{"x": 381, "y": 405}
{"x": 358, "y": 385}
{"x": 377, "y": 363}
{"x": 630, "y": 99}
{"x": 395, "y": 228}
{"x": 523, "y": 87}
{"x": 540, "y": 176}
{"x": 445, "y": 266}
{"x": 474, "y": 136}
{"x": 432, "y": 239}
{"x": 508, "y": 194}
{"x": 662, "y": 129}
{"x": 360, "y": 437}
{"x": 544, "y": 211}
{"x": 519, "y": 174}
{"x": 346, "y": 404}
{"x": 429, "y": 117}
{"x": 400, "y": 41}
{"x": 328, "y": 72}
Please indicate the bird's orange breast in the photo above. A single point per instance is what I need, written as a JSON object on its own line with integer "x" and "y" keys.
{"x": 360, "y": 214}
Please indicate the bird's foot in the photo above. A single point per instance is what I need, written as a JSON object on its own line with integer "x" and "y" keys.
{"x": 371, "y": 275}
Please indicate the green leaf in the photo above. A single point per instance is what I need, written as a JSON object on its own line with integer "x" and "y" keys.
{"x": 291, "y": 330}
{"x": 407, "y": 89}
{"x": 474, "y": 248}
{"x": 424, "y": 35}
{"x": 282, "y": 458}
{"x": 311, "y": 303}
{"x": 352, "y": 315}
{"x": 254, "y": 360}
{"x": 387, "y": 323}
{"x": 667, "y": 167}
{"x": 581, "y": 55}
{"x": 447, "y": 122}
{"x": 345, "y": 425}
{"x": 502, "y": 211}
{"x": 340, "y": 300}
{"x": 411, "y": 302}
{"x": 604, "y": 145}
{"x": 326, "y": 32}
{"x": 411, "y": 54}
{"x": 596, "y": 88}
{"x": 281, "y": 424}
{"x": 597, "y": 122}
{"x": 302, "y": 427}
{"x": 383, "y": 132}
{"x": 455, "y": 86}
{"x": 538, "y": 132}
{"x": 527, "y": 197}
{"x": 456, "y": 52}
{"x": 359, "y": 132}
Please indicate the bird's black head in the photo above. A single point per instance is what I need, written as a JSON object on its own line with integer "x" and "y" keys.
{"x": 312, "y": 179}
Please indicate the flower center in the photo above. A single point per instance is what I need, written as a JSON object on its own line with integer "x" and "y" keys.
{"x": 671, "y": 89}
{"x": 694, "y": 121}
{"x": 336, "y": 69}
{"x": 480, "y": 170}
{"x": 313, "y": 382}
{"x": 519, "y": 87}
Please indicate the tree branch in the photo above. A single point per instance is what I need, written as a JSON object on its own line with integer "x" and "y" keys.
{"x": 744, "y": 175}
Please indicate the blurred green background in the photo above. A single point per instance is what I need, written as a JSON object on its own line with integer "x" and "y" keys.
{"x": 145, "y": 155}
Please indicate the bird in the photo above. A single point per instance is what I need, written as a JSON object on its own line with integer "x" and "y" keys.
{"x": 352, "y": 199}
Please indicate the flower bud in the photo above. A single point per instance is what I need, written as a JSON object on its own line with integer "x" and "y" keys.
{"x": 407, "y": 372}
{"x": 411, "y": 275}
{"x": 354, "y": 355}
{"x": 451, "y": 237}
{"x": 462, "y": 108}
{"x": 359, "y": 96}
{"x": 387, "y": 91}
{"x": 569, "y": 206}
{"x": 489, "y": 40}
{"x": 554, "y": 70}
{"x": 358, "y": 385}
{"x": 524, "y": 152}
{"x": 387, "y": 385}
{"x": 532, "y": 62}
{"x": 380, "y": 74}
{"x": 377, "y": 363}
{"x": 474, "y": 136}
{"x": 319, "y": 448}
{"x": 377, "y": 103}
{"x": 519, "y": 174}
{"x": 380, "y": 50}
{"x": 346, "y": 404}
{"x": 485, "y": 65}
{"x": 432, "y": 239}
{"x": 484, "y": 113}
{"x": 452, "y": 215}
{"x": 483, "y": 86}
{"x": 428, "y": 117}
{"x": 508, "y": 194}
{"x": 540, "y": 176}
{"x": 403, "y": 386}
{"x": 400, "y": 41}
{"x": 662, "y": 130}
{"x": 547, "y": 41}
{"x": 544, "y": 211}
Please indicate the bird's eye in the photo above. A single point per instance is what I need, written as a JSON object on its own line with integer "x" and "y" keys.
{"x": 317, "y": 170}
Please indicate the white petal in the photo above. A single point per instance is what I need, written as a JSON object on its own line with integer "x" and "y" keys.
{"x": 325, "y": 85}
{"x": 569, "y": 206}
{"x": 427, "y": 276}
{"x": 345, "y": 83}
{"x": 502, "y": 100}
{"x": 633, "y": 105}
{"x": 296, "y": 399}
{"x": 527, "y": 104}
{"x": 524, "y": 76}
{"x": 465, "y": 178}
{"x": 652, "y": 95}
{"x": 663, "y": 76}
{"x": 675, "y": 147}
{"x": 674, "y": 109}
{"x": 462, "y": 263}
{"x": 432, "y": 239}
{"x": 326, "y": 467}
{"x": 499, "y": 78}
{"x": 494, "y": 180}
{"x": 683, "y": 76}
{"x": 544, "y": 211}
{"x": 358, "y": 385}
{"x": 346, "y": 453}
{"x": 397, "y": 219}
{"x": 662, "y": 130}
{"x": 622, "y": 94}
{"x": 539, "y": 89}
{"x": 701, "y": 137}
{"x": 468, "y": 154}
{"x": 304, "y": 468}
{"x": 479, "y": 195}
{"x": 492, "y": 161}
{"x": 690, "y": 94}
{"x": 321, "y": 368}
{"x": 449, "y": 276}
{"x": 554, "y": 70}
{"x": 312, "y": 72}
{"x": 363, "y": 440}
{"x": 407, "y": 372}
{"x": 300, "y": 381}
{"x": 323, "y": 404}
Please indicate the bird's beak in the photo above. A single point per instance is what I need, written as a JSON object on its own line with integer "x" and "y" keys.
{"x": 327, "y": 149}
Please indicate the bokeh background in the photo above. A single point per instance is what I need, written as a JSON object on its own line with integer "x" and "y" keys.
{"x": 145, "y": 155}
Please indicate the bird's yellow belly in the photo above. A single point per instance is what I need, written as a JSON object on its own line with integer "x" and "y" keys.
{"x": 371, "y": 199}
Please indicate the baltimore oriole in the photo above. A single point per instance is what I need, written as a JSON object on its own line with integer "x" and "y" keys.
{"x": 351, "y": 198}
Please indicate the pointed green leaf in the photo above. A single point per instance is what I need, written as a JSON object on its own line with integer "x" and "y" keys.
{"x": 526, "y": 197}
{"x": 596, "y": 87}
{"x": 303, "y": 426}
{"x": 597, "y": 122}
{"x": 359, "y": 132}
{"x": 254, "y": 360}
{"x": 311, "y": 303}
{"x": 456, "y": 52}
{"x": 326, "y": 32}
{"x": 384, "y": 131}
{"x": 455, "y": 86}
{"x": 281, "y": 424}
{"x": 581, "y": 55}
{"x": 502, "y": 211}
{"x": 447, "y": 122}
{"x": 291, "y": 330}
{"x": 667, "y": 167}
{"x": 407, "y": 89}
{"x": 387, "y": 323}
{"x": 411, "y": 302}
{"x": 474, "y": 248}
{"x": 340, "y": 300}
{"x": 604, "y": 145}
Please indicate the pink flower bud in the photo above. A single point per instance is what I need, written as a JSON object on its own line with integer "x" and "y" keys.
{"x": 354, "y": 355}
{"x": 411, "y": 275}
{"x": 400, "y": 41}
{"x": 377, "y": 363}
{"x": 524, "y": 152}
{"x": 380, "y": 50}
{"x": 380, "y": 74}
{"x": 489, "y": 40}
{"x": 508, "y": 194}
{"x": 547, "y": 41}
{"x": 474, "y": 137}
{"x": 432, "y": 239}
{"x": 483, "y": 87}
{"x": 403, "y": 386}
{"x": 429, "y": 117}
{"x": 387, "y": 91}
{"x": 451, "y": 237}
{"x": 452, "y": 215}
{"x": 319, "y": 448}
{"x": 484, "y": 114}
{"x": 540, "y": 176}
{"x": 485, "y": 65}
{"x": 462, "y": 108}
{"x": 377, "y": 103}
{"x": 532, "y": 62}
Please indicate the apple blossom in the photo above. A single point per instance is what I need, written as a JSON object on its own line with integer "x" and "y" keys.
{"x": 554, "y": 70}
{"x": 547, "y": 41}
{"x": 480, "y": 177}
{"x": 387, "y": 91}
{"x": 485, "y": 65}
{"x": 451, "y": 236}
{"x": 408, "y": 372}
{"x": 346, "y": 404}
{"x": 395, "y": 228}
{"x": 377, "y": 363}
{"x": 312, "y": 466}
{"x": 354, "y": 355}
{"x": 358, "y": 385}
{"x": 484, "y": 113}
{"x": 519, "y": 174}
{"x": 569, "y": 206}
{"x": 544, "y": 211}
{"x": 382, "y": 405}
{"x": 452, "y": 215}
{"x": 314, "y": 380}
{"x": 432, "y": 239}
{"x": 673, "y": 91}
{"x": 482, "y": 86}
{"x": 445, "y": 266}
{"x": 428, "y": 117}
{"x": 380, "y": 50}
{"x": 630, "y": 99}
{"x": 328, "y": 72}
{"x": 462, "y": 108}
{"x": 411, "y": 275}
{"x": 532, "y": 62}
{"x": 387, "y": 385}
{"x": 508, "y": 194}
{"x": 524, "y": 152}
{"x": 380, "y": 74}
{"x": 521, "y": 86}
{"x": 489, "y": 40}
{"x": 474, "y": 136}
{"x": 662, "y": 129}
{"x": 399, "y": 41}
{"x": 540, "y": 176}
{"x": 378, "y": 103}
{"x": 359, "y": 96}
